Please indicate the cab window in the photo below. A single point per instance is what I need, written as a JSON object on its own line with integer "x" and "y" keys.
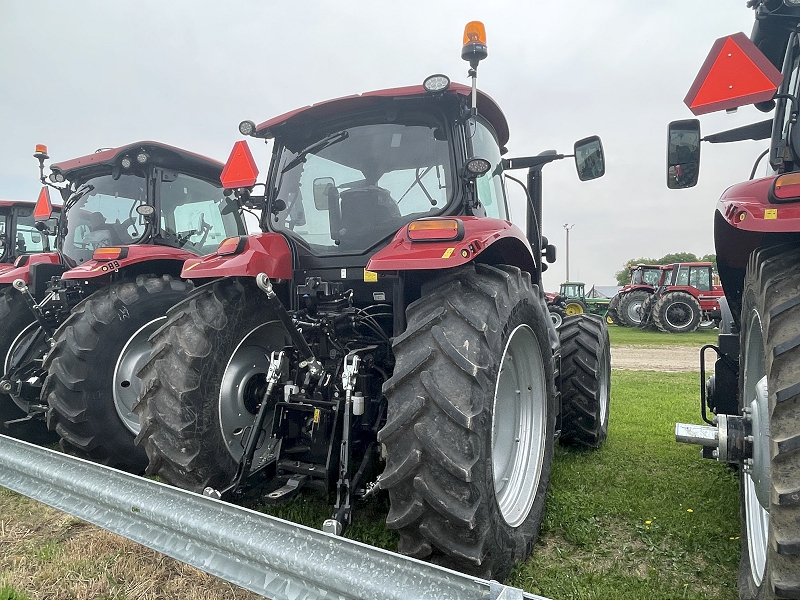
{"x": 491, "y": 192}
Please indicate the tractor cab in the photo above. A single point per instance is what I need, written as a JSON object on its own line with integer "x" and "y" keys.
{"x": 18, "y": 234}
{"x": 144, "y": 193}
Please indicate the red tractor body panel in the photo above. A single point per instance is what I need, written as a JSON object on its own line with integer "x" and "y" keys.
{"x": 480, "y": 235}
{"x": 131, "y": 255}
{"x": 262, "y": 253}
{"x": 486, "y": 107}
{"x": 746, "y": 206}
{"x": 23, "y": 271}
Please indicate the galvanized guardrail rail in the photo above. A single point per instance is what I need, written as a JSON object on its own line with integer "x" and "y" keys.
{"x": 269, "y": 556}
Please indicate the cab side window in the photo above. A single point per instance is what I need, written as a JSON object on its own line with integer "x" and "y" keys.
{"x": 491, "y": 191}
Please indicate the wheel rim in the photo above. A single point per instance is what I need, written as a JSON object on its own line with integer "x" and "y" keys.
{"x": 31, "y": 329}
{"x": 519, "y": 421}
{"x": 605, "y": 379}
{"x": 573, "y": 308}
{"x": 127, "y": 385}
{"x": 242, "y": 387}
{"x": 756, "y": 482}
{"x": 556, "y": 318}
{"x": 634, "y": 311}
{"x": 679, "y": 314}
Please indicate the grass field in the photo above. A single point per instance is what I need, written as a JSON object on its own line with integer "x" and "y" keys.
{"x": 654, "y": 337}
{"x": 643, "y": 517}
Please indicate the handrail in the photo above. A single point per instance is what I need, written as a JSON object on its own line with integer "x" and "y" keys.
{"x": 266, "y": 555}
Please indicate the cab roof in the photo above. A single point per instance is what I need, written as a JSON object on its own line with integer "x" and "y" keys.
{"x": 164, "y": 155}
{"x": 487, "y": 108}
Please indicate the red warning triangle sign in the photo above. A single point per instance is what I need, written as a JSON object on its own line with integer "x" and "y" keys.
{"x": 734, "y": 74}
{"x": 43, "y": 208}
{"x": 240, "y": 170}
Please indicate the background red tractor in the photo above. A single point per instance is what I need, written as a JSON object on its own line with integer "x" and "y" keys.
{"x": 79, "y": 317}
{"x": 387, "y": 331}
{"x": 755, "y": 390}
{"x": 624, "y": 308}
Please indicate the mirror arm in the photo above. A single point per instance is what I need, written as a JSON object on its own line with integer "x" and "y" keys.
{"x": 526, "y": 162}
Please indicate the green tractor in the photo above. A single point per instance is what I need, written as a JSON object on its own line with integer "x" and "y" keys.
{"x": 572, "y": 300}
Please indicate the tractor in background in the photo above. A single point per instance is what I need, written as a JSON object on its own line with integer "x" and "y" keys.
{"x": 78, "y": 317}
{"x": 387, "y": 330}
{"x": 754, "y": 394}
{"x": 18, "y": 234}
{"x": 572, "y": 300}
{"x": 624, "y": 306}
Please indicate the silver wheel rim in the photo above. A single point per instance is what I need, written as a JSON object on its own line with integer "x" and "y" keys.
{"x": 127, "y": 385}
{"x": 242, "y": 387}
{"x": 679, "y": 315}
{"x": 19, "y": 401}
{"x": 519, "y": 420}
{"x": 556, "y": 318}
{"x": 634, "y": 311}
{"x": 605, "y": 378}
{"x": 755, "y": 394}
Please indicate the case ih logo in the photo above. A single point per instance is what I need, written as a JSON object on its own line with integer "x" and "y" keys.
{"x": 734, "y": 74}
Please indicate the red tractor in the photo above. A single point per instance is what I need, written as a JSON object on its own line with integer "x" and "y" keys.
{"x": 78, "y": 318}
{"x": 387, "y": 331}
{"x": 684, "y": 299}
{"x": 625, "y": 305}
{"x": 755, "y": 390}
{"x": 18, "y": 233}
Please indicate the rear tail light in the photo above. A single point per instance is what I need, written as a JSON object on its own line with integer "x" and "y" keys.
{"x": 786, "y": 188}
{"x": 435, "y": 230}
{"x": 110, "y": 253}
{"x": 232, "y": 245}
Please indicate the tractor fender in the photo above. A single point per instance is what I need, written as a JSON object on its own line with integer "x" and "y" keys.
{"x": 486, "y": 240}
{"x": 259, "y": 253}
{"x": 746, "y": 206}
{"x": 129, "y": 256}
{"x": 24, "y": 263}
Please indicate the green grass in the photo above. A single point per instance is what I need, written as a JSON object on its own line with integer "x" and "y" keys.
{"x": 8, "y": 593}
{"x": 653, "y": 337}
{"x": 618, "y": 521}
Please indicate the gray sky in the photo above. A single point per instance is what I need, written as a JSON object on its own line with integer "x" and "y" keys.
{"x": 82, "y": 75}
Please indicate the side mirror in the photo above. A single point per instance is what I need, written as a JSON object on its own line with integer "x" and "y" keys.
{"x": 321, "y": 187}
{"x": 590, "y": 161}
{"x": 683, "y": 154}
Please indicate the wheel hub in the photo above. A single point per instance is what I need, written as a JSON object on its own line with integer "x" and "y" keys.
{"x": 519, "y": 421}
{"x": 635, "y": 311}
{"x": 678, "y": 314}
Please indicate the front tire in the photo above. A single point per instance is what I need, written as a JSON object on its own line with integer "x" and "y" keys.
{"x": 770, "y": 370}
{"x": 677, "y": 312}
{"x": 203, "y": 382}
{"x": 91, "y": 385}
{"x": 470, "y": 424}
{"x": 586, "y": 381}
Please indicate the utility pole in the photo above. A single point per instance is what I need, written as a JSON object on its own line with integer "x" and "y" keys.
{"x": 567, "y": 227}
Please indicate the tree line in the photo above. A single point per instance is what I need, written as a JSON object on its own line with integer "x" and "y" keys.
{"x": 623, "y": 275}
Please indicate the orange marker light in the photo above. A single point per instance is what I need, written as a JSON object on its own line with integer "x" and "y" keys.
{"x": 109, "y": 253}
{"x": 435, "y": 230}
{"x": 787, "y": 187}
{"x": 41, "y": 148}
{"x": 43, "y": 208}
{"x": 232, "y": 245}
{"x": 474, "y": 33}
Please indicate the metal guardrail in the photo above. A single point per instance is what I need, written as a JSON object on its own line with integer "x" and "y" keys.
{"x": 266, "y": 555}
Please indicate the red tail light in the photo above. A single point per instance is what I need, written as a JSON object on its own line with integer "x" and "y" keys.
{"x": 232, "y": 245}
{"x": 435, "y": 230}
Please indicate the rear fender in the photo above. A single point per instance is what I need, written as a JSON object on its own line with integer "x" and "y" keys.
{"x": 130, "y": 256}
{"x": 260, "y": 253}
{"x": 485, "y": 240}
{"x": 25, "y": 263}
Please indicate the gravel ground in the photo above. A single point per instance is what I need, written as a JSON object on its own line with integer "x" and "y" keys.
{"x": 671, "y": 359}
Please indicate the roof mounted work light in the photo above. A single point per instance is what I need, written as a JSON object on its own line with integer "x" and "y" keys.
{"x": 126, "y": 162}
{"x": 142, "y": 157}
{"x": 247, "y": 127}
{"x": 436, "y": 83}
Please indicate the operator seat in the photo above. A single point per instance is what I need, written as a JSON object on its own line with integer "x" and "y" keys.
{"x": 368, "y": 214}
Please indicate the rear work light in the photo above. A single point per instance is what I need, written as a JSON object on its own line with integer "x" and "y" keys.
{"x": 435, "y": 230}
{"x": 110, "y": 253}
{"x": 232, "y": 245}
{"x": 786, "y": 188}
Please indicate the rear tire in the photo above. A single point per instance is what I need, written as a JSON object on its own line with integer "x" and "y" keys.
{"x": 586, "y": 381}
{"x": 770, "y": 488}
{"x": 202, "y": 382}
{"x": 102, "y": 338}
{"x": 557, "y": 315}
{"x": 629, "y": 308}
{"x": 677, "y": 312}
{"x": 612, "y": 314}
{"x": 470, "y": 424}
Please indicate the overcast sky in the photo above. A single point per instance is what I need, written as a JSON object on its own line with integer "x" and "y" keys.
{"x": 82, "y": 75}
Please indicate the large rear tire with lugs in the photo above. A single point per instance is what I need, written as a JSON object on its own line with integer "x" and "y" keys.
{"x": 204, "y": 381}
{"x": 91, "y": 384}
{"x": 613, "y": 307}
{"x": 770, "y": 395}
{"x": 677, "y": 312}
{"x": 586, "y": 381}
{"x": 630, "y": 305}
{"x": 470, "y": 424}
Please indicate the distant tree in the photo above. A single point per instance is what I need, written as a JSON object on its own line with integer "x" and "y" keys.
{"x": 623, "y": 276}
